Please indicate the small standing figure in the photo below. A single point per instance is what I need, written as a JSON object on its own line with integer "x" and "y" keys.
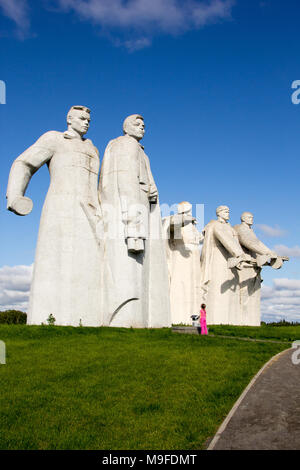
{"x": 203, "y": 320}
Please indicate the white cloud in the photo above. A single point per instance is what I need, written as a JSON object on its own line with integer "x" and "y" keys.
{"x": 211, "y": 12}
{"x": 137, "y": 21}
{"x": 281, "y": 301}
{"x": 283, "y": 250}
{"x": 271, "y": 231}
{"x": 169, "y": 16}
{"x": 289, "y": 284}
{"x": 17, "y": 10}
{"x": 132, "y": 23}
{"x": 14, "y": 287}
{"x": 137, "y": 44}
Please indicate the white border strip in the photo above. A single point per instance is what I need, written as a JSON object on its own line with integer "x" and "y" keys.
{"x": 238, "y": 402}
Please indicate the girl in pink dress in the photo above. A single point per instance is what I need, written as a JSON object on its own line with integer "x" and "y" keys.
{"x": 203, "y": 320}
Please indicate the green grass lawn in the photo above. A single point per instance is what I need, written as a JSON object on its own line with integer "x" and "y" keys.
{"x": 113, "y": 388}
{"x": 276, "y": 333}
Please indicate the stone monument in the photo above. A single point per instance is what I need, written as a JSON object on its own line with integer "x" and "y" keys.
{"x": 135, "y": 276}
{"x": 222, "y": 258}
{"x": 250, "y": 279}
{"x": 183, "y": 256}
{"x": 66, "y": 276}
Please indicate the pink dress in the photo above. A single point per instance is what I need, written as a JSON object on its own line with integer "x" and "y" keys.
{"x": 203, "y": 322}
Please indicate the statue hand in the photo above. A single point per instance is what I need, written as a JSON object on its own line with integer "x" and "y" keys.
{"x": 188, "y": 218}
{"x": 135, "y": 245}
{"x": 153, "y": 195}
{"x": 20, "y": 205}
{"x": 247, "y": 258}
{"x": 131, "y": 218}
{"x": 134, "y": 226}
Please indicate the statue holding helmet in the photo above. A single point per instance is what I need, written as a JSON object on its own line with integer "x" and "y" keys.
{"x": 183, "y": 255}
{"x": 135, "y": 276}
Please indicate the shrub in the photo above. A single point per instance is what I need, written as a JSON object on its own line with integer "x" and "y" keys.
{"x": 51, "y": 319}
{"x": 284, "y": 323}
{"x": 15, "y": 317}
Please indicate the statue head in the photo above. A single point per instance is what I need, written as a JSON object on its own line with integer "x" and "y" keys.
{"x": 184, "y": 207}
{"x": 223, "y": 213}
{"x": 78, "y": 119}
{"x": 247, "y": 217}
{"x": 134, "y": 126}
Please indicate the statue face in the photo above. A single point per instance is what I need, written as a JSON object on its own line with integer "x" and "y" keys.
{"x": 79, "y": 121}
{"x": 224, "y": 214}
{"x": 136, "y": 129}
{"x": 248, "y": 218}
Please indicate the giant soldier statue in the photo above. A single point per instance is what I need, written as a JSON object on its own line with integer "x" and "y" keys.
{"x": 183, "y": 254}
{"x": 250, "y": 279}
{"x": 66, "y": 276}
{"x": 222, "y": 258}
{"x": 135, "y": 276}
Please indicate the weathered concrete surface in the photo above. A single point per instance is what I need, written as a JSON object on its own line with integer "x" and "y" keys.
{"x": 192, "y": 330}
{"x": 268, "y": 417}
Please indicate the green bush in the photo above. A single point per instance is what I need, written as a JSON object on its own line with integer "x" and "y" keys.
{"x": 281, "y": 323}
{"x": 15, "y": 317}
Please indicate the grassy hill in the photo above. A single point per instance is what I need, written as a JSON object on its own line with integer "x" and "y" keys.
{"x": 113, "y": 388}
{"x": 288, "y": 333}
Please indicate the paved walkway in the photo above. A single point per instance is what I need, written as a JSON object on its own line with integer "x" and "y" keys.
{"x": 267, "y": 415}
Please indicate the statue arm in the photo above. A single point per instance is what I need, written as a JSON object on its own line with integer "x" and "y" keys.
{"x": 153, "y": 187}
{"x": 23, "y": 169}
{"x": 250, "y": 241}
{"x": 199, "y": 235}
{"x": 230, "y": 242}
{"x": 127, "y": 154}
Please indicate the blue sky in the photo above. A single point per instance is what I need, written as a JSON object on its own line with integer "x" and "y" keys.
{"x": 213, "y": 82}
